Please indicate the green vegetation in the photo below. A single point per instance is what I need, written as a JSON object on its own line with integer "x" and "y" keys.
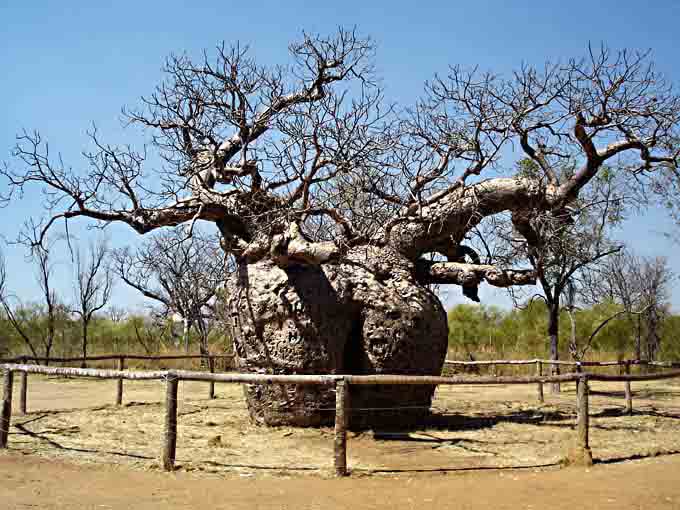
{"x": 487, "y": 332}
{"x": 132, "y": 334}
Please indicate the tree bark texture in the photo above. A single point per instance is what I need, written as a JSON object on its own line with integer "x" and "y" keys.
{"x": 364, "y": 314}
{"x": 6, "y": 407}
{"x": 170, "y": 430}
{"x": 554, "y": 334}
{"x": 85, "y": 325}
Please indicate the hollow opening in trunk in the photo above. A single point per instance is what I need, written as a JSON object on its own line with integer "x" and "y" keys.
{"x": 353, "y": 356}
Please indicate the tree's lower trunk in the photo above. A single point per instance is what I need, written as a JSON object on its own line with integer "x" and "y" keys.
{"x": 84, "y": 363}
{"x": 48, "y": 353}
{"x": 363, "y": 315}
{"x": 554, "y": 335}
{"x": 186, "y": 331}
{"x": 202, "y": 330}
{"x": 653, "y": 341}
{"x": 638, "y": 345}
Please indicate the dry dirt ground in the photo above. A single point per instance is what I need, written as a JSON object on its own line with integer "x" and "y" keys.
{"x": 496, "y": 445}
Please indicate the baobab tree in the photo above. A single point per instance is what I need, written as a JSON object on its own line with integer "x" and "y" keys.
{"x": 330, "y": 201}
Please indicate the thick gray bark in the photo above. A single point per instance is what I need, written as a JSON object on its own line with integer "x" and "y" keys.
{"x": 364, "y": 314}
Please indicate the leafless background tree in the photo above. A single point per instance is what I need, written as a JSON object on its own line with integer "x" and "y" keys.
{"x": 564, "y": 250}
{"x": 329, "y": 198}
{"x": 642, "y": 287}
{"x": 50, "y": 307}
{"x": 93, "y": 285}
{"x": 183, "y": 274}
{"x": 4, "y": 341}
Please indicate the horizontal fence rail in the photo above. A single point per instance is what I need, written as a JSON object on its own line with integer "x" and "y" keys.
{"x": 342, "y": 384}
{"x": 114, "y": 357}
{"x": 121, "y": 362}
{"x": 664, "y": 364}
{"x": 149, "y": 357}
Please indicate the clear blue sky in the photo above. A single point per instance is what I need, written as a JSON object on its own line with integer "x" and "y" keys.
{"x": 65, "y": 64}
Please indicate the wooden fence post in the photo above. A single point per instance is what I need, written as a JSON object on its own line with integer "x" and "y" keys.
{"x": 119, "y": 386}
{"x": 578, "y": 370}
{"x": 581, "y": 454}
{"x": 629, "y": 393}
{"x": 170, "y": 433}
{"x": 23, "y": 388}
{"x": 6, "y": 410}
{"x": 211, "y": 389}
{"x": 539, "y": 385}
{"x": 341, "y": 401}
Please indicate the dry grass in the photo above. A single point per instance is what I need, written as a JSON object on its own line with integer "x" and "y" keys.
{"x": 473, "y": 427}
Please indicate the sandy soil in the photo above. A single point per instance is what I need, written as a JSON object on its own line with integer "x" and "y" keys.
{"x": 28, "y": 482}
{"x": 495, "y": 435}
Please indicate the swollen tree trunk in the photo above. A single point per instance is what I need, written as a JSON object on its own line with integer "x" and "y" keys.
{"x": 554, "y": 336}
{"x": 365, "y": 314}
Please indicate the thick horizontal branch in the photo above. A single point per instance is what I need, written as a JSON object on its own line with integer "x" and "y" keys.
{"x": 292, "y": 247}
{"x": 421, "y": 230}
{"x": 472, "y": 274}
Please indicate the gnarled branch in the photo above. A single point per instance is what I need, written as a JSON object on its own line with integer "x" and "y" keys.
{"x": 471, "y": 274}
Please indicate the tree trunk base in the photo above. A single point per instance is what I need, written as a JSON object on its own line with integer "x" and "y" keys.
{"x": 371, "y": 407}
{"x": 351, "y": 317}
{"x": 579, "y": 456}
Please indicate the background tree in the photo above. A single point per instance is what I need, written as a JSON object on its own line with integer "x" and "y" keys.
{"x": 640, "y": 286}
{"x": 182, "y": 273}
{"x": 4, "y": 339}
{"x": 330, "y": 201}
{"x": 93, "y": 285}
{"x": 35, "y": 325}
{"x": 53, "y": 309}
{"x": 564, "y": 250}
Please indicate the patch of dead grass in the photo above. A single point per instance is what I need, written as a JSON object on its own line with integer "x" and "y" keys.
{"x": 472, "y": 428}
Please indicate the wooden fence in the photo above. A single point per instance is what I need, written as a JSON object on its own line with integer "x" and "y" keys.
{"x": 577, "y": 365}
{"x": 114, "y": 357}
{"x": 624, "y": 362}
{"x": 342, "y": 384}
{"x": 120, "y": 359}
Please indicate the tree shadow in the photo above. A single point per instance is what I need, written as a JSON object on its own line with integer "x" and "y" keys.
{"x": 369, "y": 471}
{"x": 642, "y": 393}
{"x": 621, "y": 412}
{"x": 256, "y": 466}
{"x": 459, "y": 421}
{"x": 41, "y": 436}
{"x": 635, "y": 456}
